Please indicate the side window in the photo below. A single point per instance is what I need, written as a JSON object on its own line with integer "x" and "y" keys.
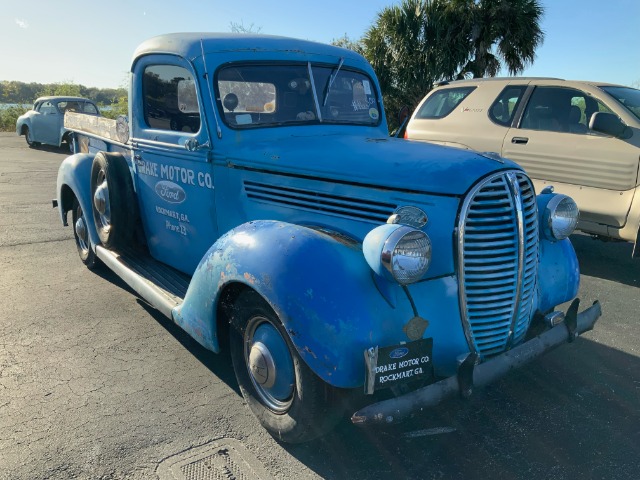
{"x": 170, "y": 98}
{"x": 90, "y": 108}
{"x": 558, "y": 109}
{"x": 441, "y": 103}
{"x": 47, "y": 108}
{"x": 504, "y": 107}
{"x": 69, "y": 107}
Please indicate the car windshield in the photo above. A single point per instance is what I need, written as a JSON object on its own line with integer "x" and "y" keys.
{"x": 258, "y": 95}
{"x": 628, "y": 97}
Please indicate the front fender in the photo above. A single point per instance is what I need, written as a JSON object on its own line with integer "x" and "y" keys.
{"x": 322, "y": 290}
{"x": 20, "y": 124}
{"x": 559, "y": 274}
{"x": 74, "y": 176}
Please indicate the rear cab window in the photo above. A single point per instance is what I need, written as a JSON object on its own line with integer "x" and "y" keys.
{"x": 442, "y": 102}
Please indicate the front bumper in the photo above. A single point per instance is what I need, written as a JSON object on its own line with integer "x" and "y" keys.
{"x": 471, "y": 374}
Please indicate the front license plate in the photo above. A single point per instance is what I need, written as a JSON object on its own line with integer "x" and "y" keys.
{"x": 388, "y": 366}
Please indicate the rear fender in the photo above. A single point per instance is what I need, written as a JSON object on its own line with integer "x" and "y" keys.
{"x": 322, "y": 290}
{"x": 74, "y": 176}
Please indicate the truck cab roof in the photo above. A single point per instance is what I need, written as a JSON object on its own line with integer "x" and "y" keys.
{"x": 191, "y": 45}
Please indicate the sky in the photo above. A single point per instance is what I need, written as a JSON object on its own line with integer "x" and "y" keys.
{"x": 91, "y": 43}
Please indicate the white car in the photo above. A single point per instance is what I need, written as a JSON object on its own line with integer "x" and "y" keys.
{"x": 44, "y": 123}
{"x": 582, "y": 138}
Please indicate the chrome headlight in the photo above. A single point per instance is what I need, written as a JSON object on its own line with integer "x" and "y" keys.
{"x": 560, "y": 217}
{"x": 399, "y": 252}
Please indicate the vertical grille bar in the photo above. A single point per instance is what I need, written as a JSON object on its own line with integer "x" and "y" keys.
{"x": 498, "y": 261}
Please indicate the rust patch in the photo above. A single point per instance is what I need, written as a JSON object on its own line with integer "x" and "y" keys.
{"x": 250, "y": 278}
{"x": 414, "y": 328}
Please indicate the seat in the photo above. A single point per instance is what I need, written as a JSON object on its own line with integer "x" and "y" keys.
{"x": 575, "y": 114}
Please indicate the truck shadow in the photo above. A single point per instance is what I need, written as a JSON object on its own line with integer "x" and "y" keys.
{"x": 218, "y": 363}
{"x": 549, "y": 420}
{"x": 607, "y": 260}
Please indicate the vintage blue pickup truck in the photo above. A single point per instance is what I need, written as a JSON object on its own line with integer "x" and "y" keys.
{"x": 254, "y": 197}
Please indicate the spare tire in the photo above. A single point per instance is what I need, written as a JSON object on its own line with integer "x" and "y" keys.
{"x": 113, "y": 203}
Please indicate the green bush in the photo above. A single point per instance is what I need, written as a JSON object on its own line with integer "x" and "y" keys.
{"x": 8, "y": 117}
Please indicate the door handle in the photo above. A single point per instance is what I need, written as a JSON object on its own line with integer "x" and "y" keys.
{"x": 520, "y": 140}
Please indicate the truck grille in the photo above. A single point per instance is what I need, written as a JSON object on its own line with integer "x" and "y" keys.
{"x": 498, "y": 261}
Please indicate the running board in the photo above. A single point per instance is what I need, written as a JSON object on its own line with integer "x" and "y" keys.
{"x": 162, "y": 286}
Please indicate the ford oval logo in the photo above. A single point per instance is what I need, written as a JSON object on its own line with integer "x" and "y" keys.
{"x": 170, "y": 192}
{"x": 399, "y": 352}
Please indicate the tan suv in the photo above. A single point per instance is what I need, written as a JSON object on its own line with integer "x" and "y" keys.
{"x": 582, "y": 138}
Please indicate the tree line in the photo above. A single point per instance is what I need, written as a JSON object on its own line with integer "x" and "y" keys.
{"x": 25, "y": 93}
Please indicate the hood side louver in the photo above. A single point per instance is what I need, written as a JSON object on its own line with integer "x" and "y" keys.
{"x": 350, "y": 207}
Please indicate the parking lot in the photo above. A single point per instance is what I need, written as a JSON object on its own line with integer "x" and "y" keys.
{"x": 96, "y": 384}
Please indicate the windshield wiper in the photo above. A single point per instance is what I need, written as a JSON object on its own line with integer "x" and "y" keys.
{"x": 332, "y": 79}
{"x": 315, "y": 93}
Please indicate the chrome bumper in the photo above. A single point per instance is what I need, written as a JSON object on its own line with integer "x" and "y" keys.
{"x": 471, "y": 374}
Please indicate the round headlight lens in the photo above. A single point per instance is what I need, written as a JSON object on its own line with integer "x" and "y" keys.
{"x": 563, "y": 216}
{"x": 407, "y": 255}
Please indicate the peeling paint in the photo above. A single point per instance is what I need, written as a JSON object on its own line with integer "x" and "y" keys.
{"x": 250, "y": 278}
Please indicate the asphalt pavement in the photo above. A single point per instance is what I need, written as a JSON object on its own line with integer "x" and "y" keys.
{"x": 95, "y": 384}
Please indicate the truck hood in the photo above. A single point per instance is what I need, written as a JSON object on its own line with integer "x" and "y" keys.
{"x": 383, "y": 162}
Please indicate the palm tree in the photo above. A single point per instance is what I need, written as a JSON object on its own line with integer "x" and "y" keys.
{"x": 503, "y": 33}
{"x": 417, "y": 43}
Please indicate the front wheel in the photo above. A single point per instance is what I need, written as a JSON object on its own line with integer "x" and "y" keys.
{"x": 28, "y": 137}
{"x": 289, "y": 400}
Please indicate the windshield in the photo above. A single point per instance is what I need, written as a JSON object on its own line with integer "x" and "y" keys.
{"x": 258, "y": 95}
{"x": 628, "y": 97}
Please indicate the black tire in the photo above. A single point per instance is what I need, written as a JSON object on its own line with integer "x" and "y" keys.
{"x": 113, "y": 203}
{"x": 305, "y": 409}
{"x": 68, "y": 144}
{"x": 174, "y": 124}
{"x": 81, "y": 234}
{"x": 27, "y": 137}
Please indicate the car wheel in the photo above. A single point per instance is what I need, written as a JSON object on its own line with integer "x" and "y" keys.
{"x": 289, "y": 400}
{"x": 175, "y": 125}
{"x": 81, "y": 234}
{"x": 113, "y": 201}
{"x": 68, "y": 141}
{"x": 28, "y": 138}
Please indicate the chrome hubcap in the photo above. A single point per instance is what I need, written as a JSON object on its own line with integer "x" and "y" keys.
{"x": 101, "y": 201}
{"x": 261, "y": 365}
{"x": 269, "y": 364}
{"x": 81, "y": 232}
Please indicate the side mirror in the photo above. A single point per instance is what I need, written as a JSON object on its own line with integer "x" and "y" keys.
{"x": 403, "y": 114}
{"x": 609, "y": 124}
{"x": 403, "y": 119}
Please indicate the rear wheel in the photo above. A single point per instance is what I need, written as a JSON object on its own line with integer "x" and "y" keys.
{"x": 68, "y": 143}
{"x": 288, "y": 399}
{"x": 29, "y": 139}
{"x": 81, "y": 234}
{"x": 113, "y": 201}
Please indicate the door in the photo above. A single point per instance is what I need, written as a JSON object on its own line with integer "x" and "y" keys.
{"x": 555, "y": 146}
{"x": 46, "y": 124}
{"x": 174, "y": 184}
